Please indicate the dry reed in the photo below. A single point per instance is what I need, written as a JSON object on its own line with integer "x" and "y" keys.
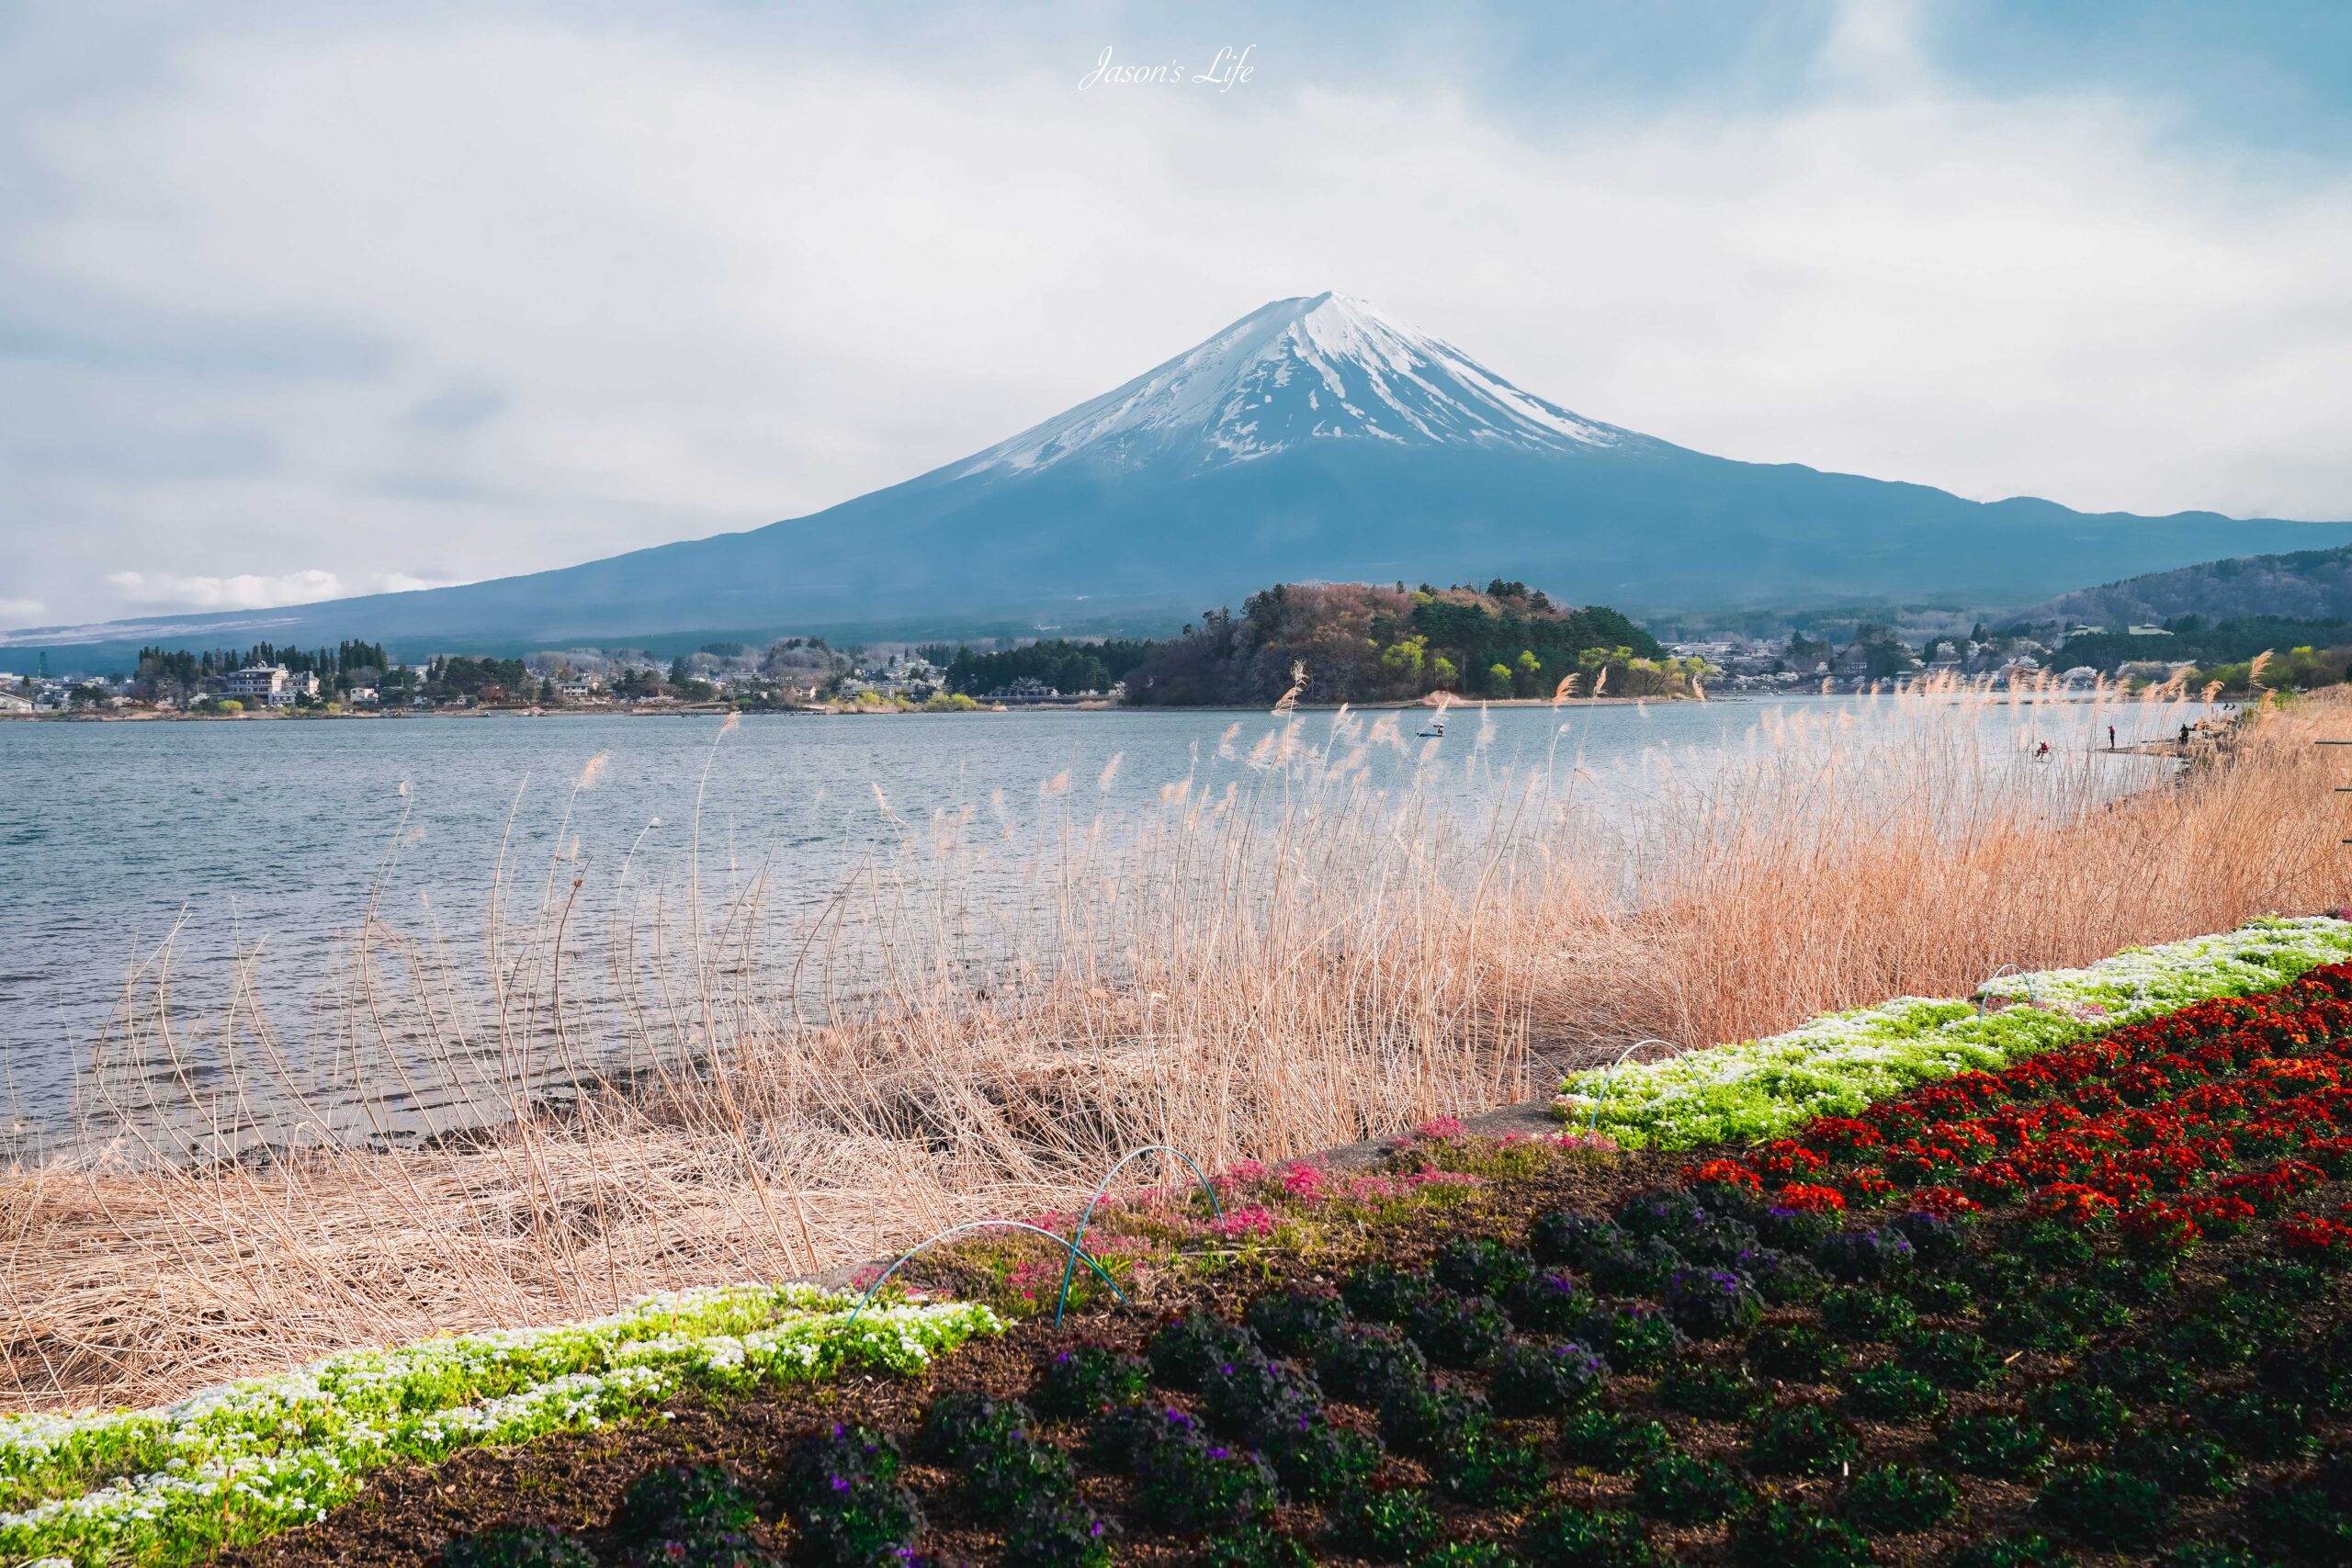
{"x": 656, "y": 1096}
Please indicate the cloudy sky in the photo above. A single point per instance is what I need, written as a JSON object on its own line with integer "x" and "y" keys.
{"x": 300, "y": 300}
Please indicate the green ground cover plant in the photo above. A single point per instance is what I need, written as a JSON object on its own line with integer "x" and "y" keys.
{"x": 242, "y": 1462}
{"x": 1838, "y": 1063}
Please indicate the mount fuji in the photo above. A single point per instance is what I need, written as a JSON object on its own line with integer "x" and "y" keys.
{"x": 1314, "y": 438}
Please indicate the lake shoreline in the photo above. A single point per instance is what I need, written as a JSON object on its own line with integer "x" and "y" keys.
{"x": 717, "y": 710}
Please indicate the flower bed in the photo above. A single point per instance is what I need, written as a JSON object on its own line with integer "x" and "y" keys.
{"x": 2095, "y": 1302}
{"x": 237, "y": 1463}
{"x": 1836, "y": 1065}
{"x": 1963, "y": 1290}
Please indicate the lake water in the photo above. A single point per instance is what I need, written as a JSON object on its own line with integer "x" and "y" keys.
{"x": 271, "y": 837}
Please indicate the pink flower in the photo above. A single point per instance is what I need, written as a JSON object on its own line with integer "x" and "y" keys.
{"x": 1240, "y": 1173}
{"x": 1444, "y": 1179}
{"x": 1360, "y": 1188}
{"x": 1440, "y": 1128}
{"x": 1303, "y": 1181}
{"x": 1238, "y": 1224}
{"x": 1028, "y": 1274}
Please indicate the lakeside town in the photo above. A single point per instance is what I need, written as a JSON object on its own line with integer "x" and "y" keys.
{"x": 806, "y": 674}
{"x": 797, "y": 673}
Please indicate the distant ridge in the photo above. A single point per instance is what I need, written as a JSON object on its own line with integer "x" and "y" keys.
{"x": 1313, "y": 439}
{"x": 2305, "y": 585}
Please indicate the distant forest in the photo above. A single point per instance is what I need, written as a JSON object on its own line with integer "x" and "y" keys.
{"x": 190, "y": 668}
{"x": 1359, "y": 642}
{"x": 1064, "y": 666}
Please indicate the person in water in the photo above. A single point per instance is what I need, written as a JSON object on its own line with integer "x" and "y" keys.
{"x": 2042, "y": 750}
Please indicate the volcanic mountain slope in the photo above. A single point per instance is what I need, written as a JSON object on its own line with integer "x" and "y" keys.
{"x": 1314, "y": 438}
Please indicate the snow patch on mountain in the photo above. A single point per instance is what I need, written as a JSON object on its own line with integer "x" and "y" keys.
{"x": 1325, "y": 367}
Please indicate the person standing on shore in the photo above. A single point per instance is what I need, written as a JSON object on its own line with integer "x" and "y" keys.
{"x": 2110, "y": 737}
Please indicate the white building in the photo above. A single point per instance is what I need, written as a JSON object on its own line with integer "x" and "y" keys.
{"x": 272, "y": 686}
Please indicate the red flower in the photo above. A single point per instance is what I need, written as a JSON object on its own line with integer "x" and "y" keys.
{"x": 2215, "y": 1099}
{"x": 1842, "y": 1138}
{"x": 2266, "y": 1138}
{"x": 1722, "y": 1173}
{"x": 1914, "y": 1160}
{"x": 2123, "y": 1186}
{"x": 2012, "y": 1127}
{"x": 1865, "y": 1182}
{"x": 2273, "y": 1186}
{"x": 2159, "y": 1230}
{"x": 1995, "y": 1181}
{"x": 2218, "y": 1213}
{"x": 2296, "y": 1072}
{"x": 2145, "y": 1128}
{"x": 1896, "y": 1120}
{"x": 1944, "y": 1202}
{"x": 2071, "y": 1203}
{"x": 2213, "y": 1152}
{"x": 1968, "y": 1135}
{"x": 1786, "y": 1161}
{"x": 2056, "y": 1159}
{"x": 1806, "y": 1198}
{"x": 2309, "y": 1236}
{"x": 2335, "y": 1104}
{"x": 2170, "y": 1168}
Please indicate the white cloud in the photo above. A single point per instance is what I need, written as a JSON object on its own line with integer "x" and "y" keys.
{"x": 504, "y": 294}
{"x": 405, "y": 582}
{"x": 243, "y": 591}
{"x": 14, "y": 613}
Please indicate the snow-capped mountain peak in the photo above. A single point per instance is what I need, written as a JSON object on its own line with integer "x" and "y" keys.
{"x": 1315, "y": 368}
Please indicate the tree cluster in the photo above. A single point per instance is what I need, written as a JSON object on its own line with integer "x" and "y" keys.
{"x": 1064, "y": 666}
{"x": 1363, "y": 642}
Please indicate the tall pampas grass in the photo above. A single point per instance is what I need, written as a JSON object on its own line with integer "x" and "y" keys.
{"x": 700, "y": 1089}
